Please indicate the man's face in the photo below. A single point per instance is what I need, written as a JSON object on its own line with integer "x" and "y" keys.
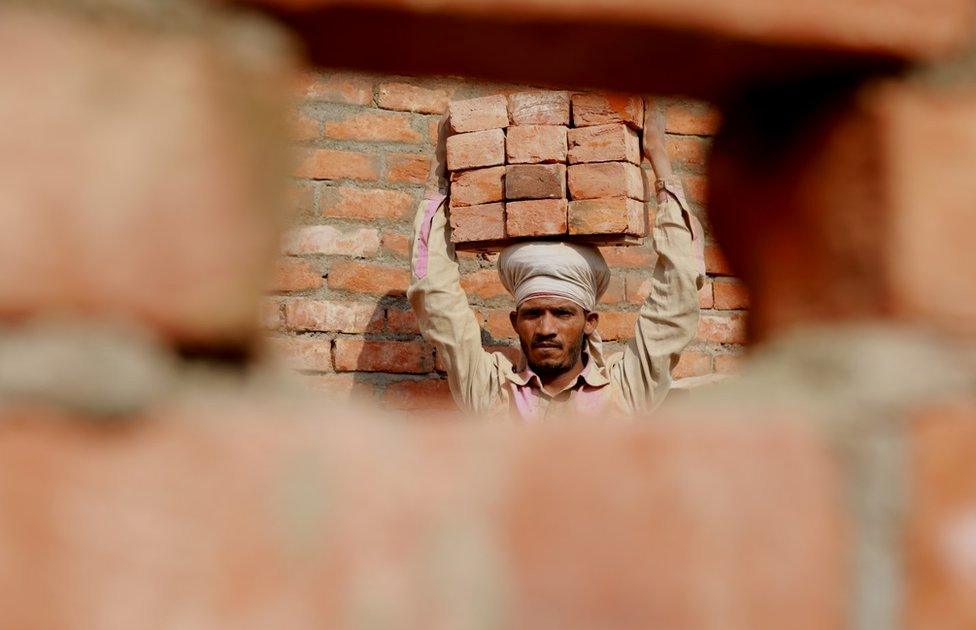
{"x": 551, "y": 330}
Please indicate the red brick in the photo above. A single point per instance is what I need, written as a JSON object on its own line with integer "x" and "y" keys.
{"x": 939, "y": 554}
{"x": 402, "y": 357}
{"x": 539, "y": 107}
{"x": 425, "y": 395}
{"x": 407, "y": 168}
{"x": 731, "y": 295}
{"x": 478, "y": 186}
{"x": 534, "y": 144}
{"x": 302, "y": 127}
{"x": 629, "y": 257}
{"x": 478, "y": 223}
{"x": 411, "y": 98}
{"x": 729, "y": 363}
{"x": 484, "y": 284}
{"x": 706, "y": 295}
{"x": 396, "y": 244}
{"x": 499, "y": 324}
{"x": 479, "y": 148}
{"x": 615, "y": 293}
{"x": 536, "y": 217}
{"x": 303, "y": 353}
{"x": 692, "y": 363}
{"x": 478, "y": 114}
{"x": 294, "y": 274}
{"x": 696, "y": 187}
{"x": 607, "y": 179}
{"x": 327, "y": 240}
{"x": 616, "y": 325}
{"x": 604, "y": 143}
{"x": 606, "y": 216}
{"x": 402, "y": 322}
{"x": 723, "y": 329}
{"x": 372, "y": 127}
{"x": 603, "y": 108}
{"x": 535, "y": 181}
{"x": 688, "y": 152}
{"x": 346, "y": 202}
{"x": 690, "y": 118}
{"x": 335, "y": 87}
{"x": 716, "y": 263}
{"x": 269, "y": 314}
{"x": 336, "y": 164}
{"x": 333, "y": 316}
{"x": 368, "y": 278}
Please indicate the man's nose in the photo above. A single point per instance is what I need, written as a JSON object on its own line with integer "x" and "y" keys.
{"x": 547, "y": 325}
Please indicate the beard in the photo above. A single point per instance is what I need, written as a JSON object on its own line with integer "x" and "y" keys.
{"x": 552, "y": 368}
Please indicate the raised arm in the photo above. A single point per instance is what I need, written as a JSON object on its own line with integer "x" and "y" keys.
{"x": 442, "y": 309}
{"x": 668, "y": 320}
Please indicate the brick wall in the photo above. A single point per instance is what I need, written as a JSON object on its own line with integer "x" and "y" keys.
{"x": 337, "y": 305}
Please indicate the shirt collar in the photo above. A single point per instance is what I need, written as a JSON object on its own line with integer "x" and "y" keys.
{"x": 593, "y": 375}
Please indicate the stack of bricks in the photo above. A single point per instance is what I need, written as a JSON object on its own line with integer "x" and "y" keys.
{"x": 545, "y": 164}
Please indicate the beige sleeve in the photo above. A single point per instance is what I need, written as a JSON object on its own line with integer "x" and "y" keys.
{"x": 446, "y": 319}
{"x": 668, "y": 320}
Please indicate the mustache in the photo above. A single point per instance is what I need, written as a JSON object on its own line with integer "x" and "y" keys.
{"x": 546, "y": 343}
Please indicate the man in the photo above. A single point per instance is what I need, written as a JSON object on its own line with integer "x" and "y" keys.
{"x": 556, "y": 287}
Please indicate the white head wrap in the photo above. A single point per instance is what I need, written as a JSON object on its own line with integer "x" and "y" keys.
{"x": 551, "y": 268}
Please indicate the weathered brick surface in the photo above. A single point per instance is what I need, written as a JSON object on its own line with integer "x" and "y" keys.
{"x": 327, "y": 240}
{"x": 408, "y": 357}
{"x": 303, "y": 353}
{"x": 479, "y": 114}
{"x": 294, "y": 274}
{"x": 332, "y": 316}
{"x": 539, "y": 107}
{"x": 535, "y": 181}
{"x": 368, "y": 278}
{"x": 537, "y": 217}
{"x": 407, "y": 168}
{"x": 478, "y": 186}
{"x": 478, "y": 223}
{"x": 349, "y": 202}
{"x": 411, "y": 98}
{"x": 602, "y": 108}
{"x": 369, "y": 127}
{"x": 337, "y": 164}
{"x": 534, "y": 144}
{"x": 604, "y": 143}
{"x": 478, "y": 148}
{"x": 335, "y": 87}
{"x": 606, "y": 179}
{"x": 617, "y": 215}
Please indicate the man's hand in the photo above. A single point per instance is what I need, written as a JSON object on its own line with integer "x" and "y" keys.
{"x": 654, "y": 140}
{"x": 437, "y": 178}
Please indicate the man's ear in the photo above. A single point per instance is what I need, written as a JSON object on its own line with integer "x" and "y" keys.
{"x": 592, "y": 319}
{"x": 513, "y": 317}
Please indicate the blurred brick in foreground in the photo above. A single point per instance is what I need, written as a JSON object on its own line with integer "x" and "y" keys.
{"x": 141, "y": 169}
{"x": 236, "y": 512}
